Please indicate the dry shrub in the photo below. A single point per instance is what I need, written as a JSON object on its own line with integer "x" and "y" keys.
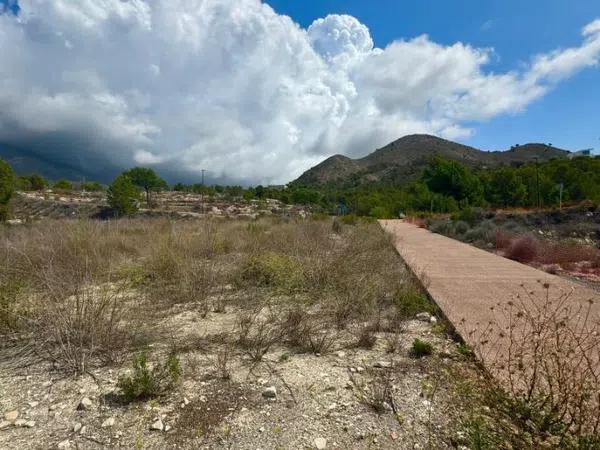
{"x": 366, "y": 338}
{"x": 564, "y": 253}
{"x": 523, "y": 249}
{"x": 222, "y": 362}
{"x": 552, "y": 363}
{"x": 81, "y": 327}
{"x": 503, "y": 239}
{"x": 257, "y": 331}
{"x": 307, "y": 332}
{"x": 379, "y": 393}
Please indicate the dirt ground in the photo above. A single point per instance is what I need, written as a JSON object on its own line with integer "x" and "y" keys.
{"x": 319, "y": 399}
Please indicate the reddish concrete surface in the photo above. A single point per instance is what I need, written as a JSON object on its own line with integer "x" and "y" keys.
{"x": 467, "y": 282}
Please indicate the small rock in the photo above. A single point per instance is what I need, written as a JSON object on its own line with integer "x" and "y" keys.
{"x": 261, "y": 430}
{"x": 423, "y": 317}
{"x": 341, "y": 354}
{"x": 383, "y": 364}
{"x": 63, "y": 445}
{"x": 360, "y": 369}
{"x": 77, "y": 427}
{"x": 158, "y": 425}
{"x": 11, "y": 416}
{"x": 24, "y": 423}
{"x": 33, "y": 404}
{"x": 85, "y": 404}
{"x": 83, "y": 430}
{"x": 108, "y": 422}
{"x": 4, "y": 424}
{"x": 320, "y": 443}
{"x": 167, "y": 427}
{"x": 270, "y": 392}
{"x": 433, "y": 319}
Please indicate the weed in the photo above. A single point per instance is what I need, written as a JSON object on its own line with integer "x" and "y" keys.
{"x": 147, "y": 382}
{"x": 420, "y": 349}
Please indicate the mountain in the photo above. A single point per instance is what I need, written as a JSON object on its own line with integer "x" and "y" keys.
{"x": 403, "y": 160}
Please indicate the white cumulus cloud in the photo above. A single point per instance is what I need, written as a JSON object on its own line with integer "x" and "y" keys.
{"x": 235, "y": 88}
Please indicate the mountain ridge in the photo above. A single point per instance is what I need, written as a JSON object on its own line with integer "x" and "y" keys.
{"x": 402, "y": 160}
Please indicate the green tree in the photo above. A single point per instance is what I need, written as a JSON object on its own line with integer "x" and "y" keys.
{"x": 453, "y": 179}
{"x": 92, "y": 186}
{"x": 23, "y": 184}
{"x": 7, "y": 188}
{"x": 123, "y": 196}
{"x": 38, "y": 182}
{"x": 146, "y": 179}
{"x": 63, "y": 185}
{"x": 505, "y": 188}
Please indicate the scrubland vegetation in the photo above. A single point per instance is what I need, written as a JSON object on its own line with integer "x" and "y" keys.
{"x": 560, "y": 242}
{"x": 216, "y": 315}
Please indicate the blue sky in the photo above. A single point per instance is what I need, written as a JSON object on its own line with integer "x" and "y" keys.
{"x": 568, "y": 116}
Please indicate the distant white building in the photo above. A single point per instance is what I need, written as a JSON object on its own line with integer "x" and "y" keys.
{"x": 586, "y": 152}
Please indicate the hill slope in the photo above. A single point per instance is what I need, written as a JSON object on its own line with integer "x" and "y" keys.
{"x": 403, "y": 159}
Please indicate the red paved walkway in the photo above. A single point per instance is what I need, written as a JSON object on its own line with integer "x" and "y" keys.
{"x": 466, "y": 282}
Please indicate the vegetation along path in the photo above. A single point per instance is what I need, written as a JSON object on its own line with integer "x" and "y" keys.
{"x": 500, "y": 307}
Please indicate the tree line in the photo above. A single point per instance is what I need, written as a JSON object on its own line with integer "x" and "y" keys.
{"x": 442, "y": 186}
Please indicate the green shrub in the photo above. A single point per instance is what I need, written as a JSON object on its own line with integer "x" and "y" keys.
{"x": 409, "y": 301}
{"x": 420, "y": 348}
{"x": 484, "y": 232}
{"x": 274, "y": 270}
{"x": 123, "y": 196}
{"x": 147, "y": 382}
{"x": 63, "y": 185}
{"x": 461, "y": 227}
{"x": 7, "y": 187}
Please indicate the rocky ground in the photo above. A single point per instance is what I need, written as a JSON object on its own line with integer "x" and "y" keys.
{"x": 32, "y": 206}
{"x": 286, "y": 401}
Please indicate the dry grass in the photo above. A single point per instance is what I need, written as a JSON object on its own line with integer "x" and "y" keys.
{"x": 84, "y": 291}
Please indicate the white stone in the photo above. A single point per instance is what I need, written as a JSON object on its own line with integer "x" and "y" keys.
{"x": 108, "y": 422}
{"x": 383, "y": 364}
{"x": 63, "y": 445}
{"x": 85, "y": 404}
{"x": 11, "y": 416}
{"x": 77, "y": 427}
{"x": 157, "y": 425}
{"x": 321, "y": 443}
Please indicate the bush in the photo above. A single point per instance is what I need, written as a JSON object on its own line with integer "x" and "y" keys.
{"x": 7, "y": 187}
{"x": 523, "y": 249}
{"x": 123, "y": 196}
{"x": 461, "y": 227}
{"x": 63, "y": 185}
{"x": 420, "y": 348}
{"x": 147, "y": 382}
{"x": 484, "y": 232}
{"x": 274, "y": 270}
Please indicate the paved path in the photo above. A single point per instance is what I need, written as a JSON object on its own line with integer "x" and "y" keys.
{"x": 467, "y": 282}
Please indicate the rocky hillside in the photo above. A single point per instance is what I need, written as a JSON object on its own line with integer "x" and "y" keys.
{"x": 403, "y": 159}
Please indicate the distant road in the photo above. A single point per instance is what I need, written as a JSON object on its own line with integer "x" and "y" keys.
{"x": 471, "y": 286}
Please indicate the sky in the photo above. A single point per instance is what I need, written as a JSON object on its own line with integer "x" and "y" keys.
{"x": 258, "y": 92}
